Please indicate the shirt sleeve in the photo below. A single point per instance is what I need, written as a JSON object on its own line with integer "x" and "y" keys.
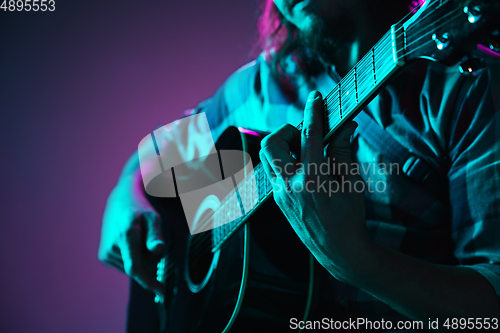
{"x": 474, "y": 176}
{"x": 188, "y": 144}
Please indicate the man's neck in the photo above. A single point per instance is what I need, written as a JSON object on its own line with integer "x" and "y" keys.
{"x": 369, "y": 32}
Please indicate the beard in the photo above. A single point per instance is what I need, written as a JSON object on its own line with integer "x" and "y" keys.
{"x": 327, "y": 37}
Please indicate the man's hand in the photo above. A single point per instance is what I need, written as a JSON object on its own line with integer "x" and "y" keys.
{"x": 324, "y": 206}
{"x": 332, "y": 226}
{"x": 131, "y": 240}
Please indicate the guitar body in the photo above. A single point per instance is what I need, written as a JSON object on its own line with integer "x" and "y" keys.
{"x": 257, "y": 281}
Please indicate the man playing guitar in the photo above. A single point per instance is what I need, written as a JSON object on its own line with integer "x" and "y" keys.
{"x": 420, "y": 249}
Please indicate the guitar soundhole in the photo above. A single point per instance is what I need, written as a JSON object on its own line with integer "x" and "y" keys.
{"x": 200, "y": 260}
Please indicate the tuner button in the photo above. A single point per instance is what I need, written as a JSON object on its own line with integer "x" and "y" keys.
{"x": 473, "y": 13}
{"x": 441, "y": 42}
{"x": 495, "y": 41}
{"x": 472, "y": 66}
{"x": 495, "y": 46}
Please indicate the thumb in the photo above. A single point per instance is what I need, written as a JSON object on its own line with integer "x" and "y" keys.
{"x": 154, "y": 237}
{"x": 313, "y": 131}
{"x": 340, "y": 150}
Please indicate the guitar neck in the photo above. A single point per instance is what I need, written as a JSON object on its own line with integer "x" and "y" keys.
{"x": 343, "y": 103}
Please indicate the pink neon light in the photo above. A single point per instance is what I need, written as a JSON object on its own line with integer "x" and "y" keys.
{"x": 487, "y": 51}
{"x": 246, "y": 131}
{"x": 416, "y": 4}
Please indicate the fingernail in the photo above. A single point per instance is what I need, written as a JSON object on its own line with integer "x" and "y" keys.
{"x": 313, "y": 95}
{"x": 156, "y": 243}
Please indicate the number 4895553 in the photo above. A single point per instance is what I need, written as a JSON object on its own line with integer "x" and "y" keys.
{"x": 28, "y": 5}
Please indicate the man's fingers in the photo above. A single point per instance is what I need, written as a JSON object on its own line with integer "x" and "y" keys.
{"x": 340, "y": 150}
{"x": 154, "y": 237}
{"x": 267, "y": 167}
{"x": 268, "y": 170}
{"x": 276, "y": 147}
{"x": 133, "y": 264}
{"x": 312, "y": 131}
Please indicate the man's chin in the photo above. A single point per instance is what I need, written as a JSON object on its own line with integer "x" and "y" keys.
{"x": 325, "y": 38}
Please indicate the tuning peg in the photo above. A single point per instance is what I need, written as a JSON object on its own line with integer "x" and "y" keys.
{"x": 495, "y": 41}
{"x": 472, "y": 66}
{"x": 442, "y": 41}
{"x": 474, "y": 13}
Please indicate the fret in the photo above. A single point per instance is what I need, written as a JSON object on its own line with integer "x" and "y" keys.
{"x": 222, "y": 212}
{"x": 267, "y": 184}
{"x": 234, "y": 209}
{"x": 347, "y": 93}
{"x": 215, "y": 231}
{"x": 356, "y": 83}
{"x": 223, "y": 216}
{"x": 332, "y": 108}
{"x": 260, "y": 182}
{"x": 229, "y": 214}
{"x": 384, "y": 55}
{"x": 332, "y": 117}
{"x": 218, "y": 233}
{"x": 253, "y": 184}
{"x": 242, "y": 194}
{"x": 365, "y": 77}
{"x": 238, "y": 205}
{"x": 340, "y": 99}
{"x": 374, "y": 67}
{"x": 218, "y": 215}
{"x": 249, "y": 185}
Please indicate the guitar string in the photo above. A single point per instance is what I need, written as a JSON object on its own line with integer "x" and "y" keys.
{"x": 201, "y": 239}
{"x": 335, "y": 90}
{"x": 429, "y": 11}
{"x": 331, "y": 115}
{"x": 384, "y": 39}
{"x": 434, "y": 23}
{"x": 410, "y": 13}
{"x": 403, "y": 19}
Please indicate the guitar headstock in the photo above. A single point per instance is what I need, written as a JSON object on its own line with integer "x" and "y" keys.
{"x": 448, "y": 30}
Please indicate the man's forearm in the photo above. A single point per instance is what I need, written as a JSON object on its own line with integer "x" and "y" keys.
{"x": 131, "y": 168}
{"x": 420, "y": 290}
{"x": 129, "y": 185}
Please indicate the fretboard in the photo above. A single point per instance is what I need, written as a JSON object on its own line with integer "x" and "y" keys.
{"x": 350, "y": 95}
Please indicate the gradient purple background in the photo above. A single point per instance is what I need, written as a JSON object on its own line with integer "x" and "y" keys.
{"x": 79, "y": 88}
